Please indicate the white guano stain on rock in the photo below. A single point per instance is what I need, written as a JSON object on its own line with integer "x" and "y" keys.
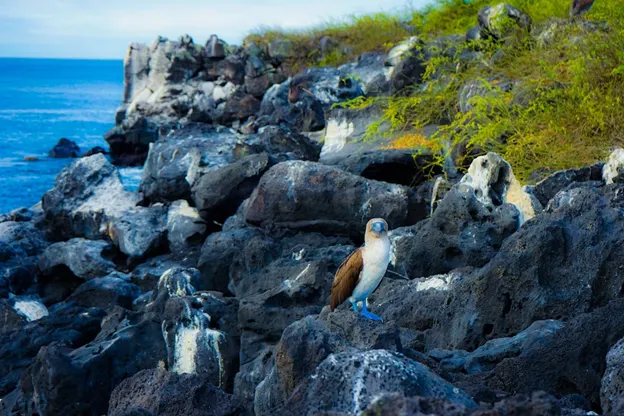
{"x": 336, "y": 134}
{"x": 615, "y": 164}
{"x": 30, "y": 309}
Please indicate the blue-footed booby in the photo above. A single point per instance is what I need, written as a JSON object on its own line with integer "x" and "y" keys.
{"x": 359, "y": 275}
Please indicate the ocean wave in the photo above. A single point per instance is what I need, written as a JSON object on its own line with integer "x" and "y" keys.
{"x": 61, "y": 115}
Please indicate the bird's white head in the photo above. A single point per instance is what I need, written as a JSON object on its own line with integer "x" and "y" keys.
{"x": 376, "y": 228}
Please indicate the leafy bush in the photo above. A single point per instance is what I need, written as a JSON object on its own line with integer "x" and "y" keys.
{"x": 566, "y": 105}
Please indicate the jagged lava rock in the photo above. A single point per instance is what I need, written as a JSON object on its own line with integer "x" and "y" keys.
{"x": 218, "y": 253}
{"x": 195, "y": 347}
{"x": 570, "y": 361}
{"x": 612, "y": 384}
{"x": 371, "y": 72}
{"x": 62, "y": 381}
{"x": 139, "y": 232}
{"x": 494, "y": 183}
{"x": 307, "y": 342}
{"x": 105, "y": 293}
{"x": 548, "y": 187}
{"x": 86, "y": 259}
{"x": 304, "y": 195}
{"x": 74, "y": 326}
{"x": 158, "y": 392}
{"x": 185, "y": 228}
{"x": 87, "y": 194}
{"x": 197, "y": 153}
{"x": 356, "y": 379}
{"x": 538, "y": 404}
{"x": 20, "y": 245}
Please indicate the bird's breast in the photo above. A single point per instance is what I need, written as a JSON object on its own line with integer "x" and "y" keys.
{"x": 375, "y": 257}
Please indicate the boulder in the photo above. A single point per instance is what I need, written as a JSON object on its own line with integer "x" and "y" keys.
{"x": 158, "y": 392}
{"x": 500, "y": 20}
{"x": 167, "y": 169}
{"x": 494, "y": 183}
{"x": 612, "y": 384}
{"x": 73, "y": 325}
{"x": 17, "y": 275}
{"x": 185, "y": 228}
{"x": 371, "y": 72}
{"x": 537, "y": 404}
{"x": 562, "y": 180}
{"x": 572, "y": 30}
{"x": 64, "y": 149}
{"x": 570, "y": 361}
{"x": 20, "y": 240}
{"x": 407, "y": 63}
{"x": 19, "y": 215}
{"x": 175, "y": 282}
{"x": 215, "y": 48}
{"x": 10, "y": 319}
{"x": 147, "y": 274}
{"x": 217, "y": 255}
{"x": 529, "y": 274}
{"x": 105, "y": 293}
{"x": 86, "y": 259}
{"x": 304, "y": 195}
{"x": 140, "y": 232}
{"x": 86, "y": 196}
{"x": 195, "y": 347}
{"x": 490, "y": 354}
{"x": 218, "y": 194}
{"x": 238, "y": 107}
{"x": 181, "y": 160}
{"x": 307, "y": 342}
{"x": 358, "y": 378}
{"x": 613, "y": 167}
{"x": 328, "y": 85}
{"x": 129, "y": 140}
{"x": 292, "y": 288}
{"x": 461, "y": 232}
{"x": 61, "y": 381}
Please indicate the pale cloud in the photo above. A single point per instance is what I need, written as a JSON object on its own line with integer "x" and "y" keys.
{"x": 103, "y": 29}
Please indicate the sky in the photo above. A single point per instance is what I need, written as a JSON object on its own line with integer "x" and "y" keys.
{"x": 103, "y": 29}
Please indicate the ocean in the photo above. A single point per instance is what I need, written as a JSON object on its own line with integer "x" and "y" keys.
{"x": 42, "y": 100}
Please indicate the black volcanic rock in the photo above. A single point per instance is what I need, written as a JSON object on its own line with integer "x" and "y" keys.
{"x": 158, "y": 392}
{"x": 64, "y": 149}
{"x": 311, "y": 196}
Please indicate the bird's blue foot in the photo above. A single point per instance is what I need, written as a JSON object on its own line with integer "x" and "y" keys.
{"x": 354, "y": 307}
{"x": 369, "y": 315}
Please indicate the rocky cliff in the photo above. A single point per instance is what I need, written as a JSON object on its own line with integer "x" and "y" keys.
{"x": 206, "y": 292}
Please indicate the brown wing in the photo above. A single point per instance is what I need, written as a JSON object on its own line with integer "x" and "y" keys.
{"x": 346, "y": 278}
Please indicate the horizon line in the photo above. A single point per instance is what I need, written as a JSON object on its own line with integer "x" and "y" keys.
{"x": 63, "y": 58}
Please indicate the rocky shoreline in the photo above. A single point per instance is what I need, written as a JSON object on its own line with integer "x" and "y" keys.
{"x": 206, "y": 292}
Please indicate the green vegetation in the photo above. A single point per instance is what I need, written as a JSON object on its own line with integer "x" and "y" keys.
{"x": 566, "y": 107}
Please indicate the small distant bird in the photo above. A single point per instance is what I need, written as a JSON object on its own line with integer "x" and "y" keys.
{"x": 295, "y": 92}
{"x": 360, "y": 274}
{"x": 580, "y": 7}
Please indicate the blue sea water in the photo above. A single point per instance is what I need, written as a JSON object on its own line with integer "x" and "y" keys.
{"x": 42, "y": 100}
